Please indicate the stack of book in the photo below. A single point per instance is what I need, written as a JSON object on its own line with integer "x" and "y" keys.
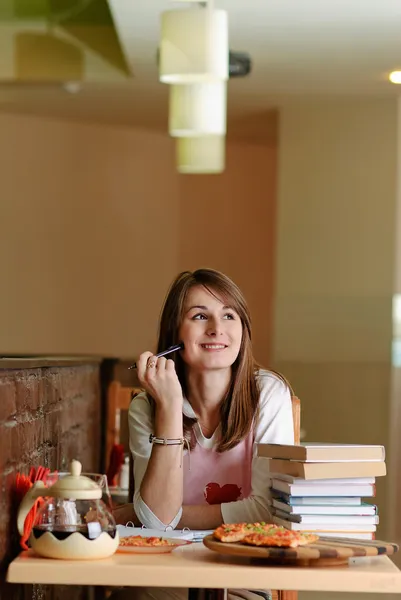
{"x": 320, "y": 487}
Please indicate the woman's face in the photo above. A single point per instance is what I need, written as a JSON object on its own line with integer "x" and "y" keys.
{"x": 211, "y": 332}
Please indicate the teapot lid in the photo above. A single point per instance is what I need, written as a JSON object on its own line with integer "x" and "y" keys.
{"x": 75, "y": 485}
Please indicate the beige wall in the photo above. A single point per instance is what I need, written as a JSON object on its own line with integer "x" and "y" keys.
{"x": 228, "y": 222}
{"x": 335, "y": 266}
{"x": 95, "y": 222}
{"x": 84, "y": 211}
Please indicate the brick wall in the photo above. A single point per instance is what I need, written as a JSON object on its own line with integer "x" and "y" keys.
{"x": 49, "y": 414}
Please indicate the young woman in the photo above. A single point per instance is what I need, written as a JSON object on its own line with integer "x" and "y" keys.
{"x": 212, "y": 403}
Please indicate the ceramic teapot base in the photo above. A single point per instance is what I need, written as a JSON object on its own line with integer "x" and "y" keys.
{"x": 75, "y": 546}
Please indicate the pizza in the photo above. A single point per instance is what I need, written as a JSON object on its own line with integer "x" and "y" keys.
{"x": 262, "y": 534}
{"x": 281, "y": 537}
{"x": 236, "y": 532}
{"x": 144, "y": 542}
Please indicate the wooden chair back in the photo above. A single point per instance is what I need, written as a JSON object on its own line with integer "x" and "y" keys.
{"x": 118, "y": 400}
{"x": 296, "y": 418}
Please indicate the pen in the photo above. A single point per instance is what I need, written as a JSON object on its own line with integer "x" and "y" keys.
{"x": 175, "y": 348}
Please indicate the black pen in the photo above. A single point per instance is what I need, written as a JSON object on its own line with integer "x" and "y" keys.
{"x": 175, "y": 348}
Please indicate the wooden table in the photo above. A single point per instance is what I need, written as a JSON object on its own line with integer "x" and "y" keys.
{"x": 194, "y": 565}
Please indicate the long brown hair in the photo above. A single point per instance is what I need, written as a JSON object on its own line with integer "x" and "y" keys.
{"x": 240, "y": 406}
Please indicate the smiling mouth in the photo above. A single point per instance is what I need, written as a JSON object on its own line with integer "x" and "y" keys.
{"x": 214, "y": 346}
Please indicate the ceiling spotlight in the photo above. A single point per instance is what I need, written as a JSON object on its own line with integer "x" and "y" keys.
{"x": 395, "y": 77}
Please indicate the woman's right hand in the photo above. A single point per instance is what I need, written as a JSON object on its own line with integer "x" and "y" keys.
{"x": 160, "y": 380}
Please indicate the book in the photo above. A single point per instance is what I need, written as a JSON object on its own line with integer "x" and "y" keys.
{"x": 316, "y": 500}
{"x": 355, "y": 536}
{"x": 334, "y": 481}
{"x": 327, "y": 509}
{"x": 317, "y": 452}
{"x": 303, "y": 489}
{"x": 327, "y": 470}
{"x": 324, "y": 528}
{"x": 329, "y": 520}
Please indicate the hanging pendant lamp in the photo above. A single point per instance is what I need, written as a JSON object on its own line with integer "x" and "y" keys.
{"x": 201, "y": 155}
{"x": 198, "y": 109}
{"x": 193, "y": 45}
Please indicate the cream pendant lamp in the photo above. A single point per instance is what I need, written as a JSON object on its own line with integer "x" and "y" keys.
{"x": 198, "y": 109}
{"x": 200, "y": 155}
{"x": 193, "y": 45}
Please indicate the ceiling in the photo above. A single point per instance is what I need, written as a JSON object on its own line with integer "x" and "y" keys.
{"x": 299, "y": 48}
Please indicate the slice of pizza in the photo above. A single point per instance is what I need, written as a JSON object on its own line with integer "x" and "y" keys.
{"x": 143, "y": 542}
{"x": 235, "y": 532}
{"x": 281, "y": 537}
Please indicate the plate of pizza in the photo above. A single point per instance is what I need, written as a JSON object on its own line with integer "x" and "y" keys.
{"x": 276, "y": 543}
{"x": 139, "y": 544}
{"x": 263, "y": 534}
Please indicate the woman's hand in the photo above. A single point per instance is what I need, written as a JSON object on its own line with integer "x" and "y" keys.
{"x": 160, "y": 380}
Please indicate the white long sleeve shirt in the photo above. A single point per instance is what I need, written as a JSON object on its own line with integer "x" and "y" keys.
{"x": 237, "y": 479}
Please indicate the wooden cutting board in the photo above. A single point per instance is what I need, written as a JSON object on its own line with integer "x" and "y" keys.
{"x": 324, "y": 552}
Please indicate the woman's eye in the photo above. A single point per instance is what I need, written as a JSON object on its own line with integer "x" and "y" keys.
{"x": 202, "y": 317}
{"x": 199, "y": 317}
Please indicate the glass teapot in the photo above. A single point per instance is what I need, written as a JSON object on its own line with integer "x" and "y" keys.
{"x": 72, "y": 521}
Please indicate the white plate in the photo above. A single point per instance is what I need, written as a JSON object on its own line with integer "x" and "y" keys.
{"x": 174, "y": 543}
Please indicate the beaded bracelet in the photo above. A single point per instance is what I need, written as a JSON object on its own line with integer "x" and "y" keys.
{"x": 173, "y": 442}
